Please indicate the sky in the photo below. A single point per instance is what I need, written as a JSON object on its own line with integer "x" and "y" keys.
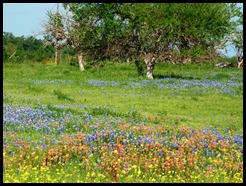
{"x": 25, "y": 19}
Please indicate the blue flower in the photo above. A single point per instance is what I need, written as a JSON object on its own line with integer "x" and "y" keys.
{"x": 174, "y": 145}
{"x": 238, "y": 139}
{"x": 205, "y": 144}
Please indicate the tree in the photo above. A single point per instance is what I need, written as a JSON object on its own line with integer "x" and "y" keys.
{"x": 9, "y": 49}
{"x": 237, "y": 41}
{"x": 55, "y": 31}
{"x": 82, "y": 33}
{"x": 190, "y": 30}
{"x": 236, "y": 38}
{"x": 152, "y": 32}
{"x": 93, "y": 27}
{"x": 19, "y": 49}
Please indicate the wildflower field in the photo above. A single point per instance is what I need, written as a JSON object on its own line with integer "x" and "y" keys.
{"x": 111, "y": 125}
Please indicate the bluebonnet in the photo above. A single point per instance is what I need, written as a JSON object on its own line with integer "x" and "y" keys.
{"x": 205, "y": 144}
{"x": 238, "y": 139}
{"x": 174, "y": 145}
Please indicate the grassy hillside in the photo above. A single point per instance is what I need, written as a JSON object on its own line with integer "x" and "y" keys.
{"x": 199, "y": 95}
{"x": 110, "y": 124}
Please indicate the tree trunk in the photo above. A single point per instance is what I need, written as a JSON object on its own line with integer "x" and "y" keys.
{"x": 56, "y": 55}
{"x": 150, "y": 64}
{"x": 81, "y": 61}
{"x": 239, "y": 62}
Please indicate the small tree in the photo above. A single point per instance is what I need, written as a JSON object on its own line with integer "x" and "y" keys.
{"x": 55, "y": 31}
{"x": 83, "y": 29}
{"x": 238, "y": 45}
{"x": 94, "y": 27}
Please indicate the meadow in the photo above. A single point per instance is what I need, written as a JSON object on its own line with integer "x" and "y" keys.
{"x": 111, "y": 124}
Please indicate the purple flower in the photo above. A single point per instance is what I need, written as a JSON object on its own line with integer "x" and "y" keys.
{"x": 174, "y": 145}
{"x": 205, "y": 144}
{"x": 238, "y": 139}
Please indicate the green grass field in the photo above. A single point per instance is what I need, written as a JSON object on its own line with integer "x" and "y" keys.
{"x": 180, "y": 96}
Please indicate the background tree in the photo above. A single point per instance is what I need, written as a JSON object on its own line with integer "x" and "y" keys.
{"x": 93, "y": 29}
{"x": 9, "y": 48}
{"x": 55, "y": 31}
{"x": 236, "y": 38}
{"x": 237, "y": 41}
{"x": 20, "y": 49}
{"x": 180, "y": 31}
{"x": 152, "y": 32}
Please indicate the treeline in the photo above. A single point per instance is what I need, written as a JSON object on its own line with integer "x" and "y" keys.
{"x": 179, "y": 33}
{"x": 30, "y": 49}
{"x": 150, "y": 32}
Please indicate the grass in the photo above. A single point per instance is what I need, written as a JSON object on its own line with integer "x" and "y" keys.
{"x": 50, "y": 85}
{"x": 47, "y": 105}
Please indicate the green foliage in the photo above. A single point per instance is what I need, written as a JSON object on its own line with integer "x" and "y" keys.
{"x": 122, "y": 32}
{"x": 62, "y": 96}
{"x": 140, "y": 65}
{"x": 29, "y": 49}
{"x": 157, "y": 32}
{"x": 226, "y": 59}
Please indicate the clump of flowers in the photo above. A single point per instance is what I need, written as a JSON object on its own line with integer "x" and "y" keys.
{"x": 40, "y": 148}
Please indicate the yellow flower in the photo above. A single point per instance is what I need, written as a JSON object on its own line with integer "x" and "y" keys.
{"x": 16, "y": 180}
{"x": 102, "y": 176}
{"x": 34, "y": 168}
{"x": 153, "y": 179}
{"x": 139, "y": 172}
{"x": 88, "y": 174}
{"x": 150, "y": 166}
{"x": 129, "y": 177}
{"x": 163, "y": 178}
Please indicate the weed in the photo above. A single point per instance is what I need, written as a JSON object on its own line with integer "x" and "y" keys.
{"x": 61, "y": 96}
